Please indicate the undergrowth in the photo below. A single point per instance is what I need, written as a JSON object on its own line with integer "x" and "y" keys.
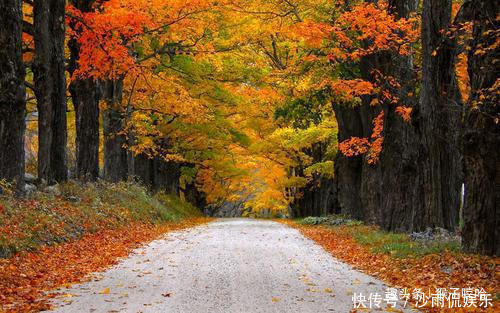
{"x": 397, "y": 245}
{"x": 44, "y": 219}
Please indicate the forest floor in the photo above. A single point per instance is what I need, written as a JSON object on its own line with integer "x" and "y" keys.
{"x": 230, "y": 265}
{"x": 403, "y": 263}
{"x": 53, "y": 240}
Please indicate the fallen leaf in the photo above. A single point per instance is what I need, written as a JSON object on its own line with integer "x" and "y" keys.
{"x": 105, "y": 291}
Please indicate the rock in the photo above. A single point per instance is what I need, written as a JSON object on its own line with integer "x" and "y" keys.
{"x": 281, "y": 215}
{"x": 73, "y": 199}
{"x": 30, "y": 178}
{"x": 426, "y": 235}
{"x": 437, "y": 234}
{"x": 53, "y": 190}
{"x": 29, "y": 188}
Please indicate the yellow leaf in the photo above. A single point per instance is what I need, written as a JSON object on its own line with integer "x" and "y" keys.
{"x": 328, "y": 290}
{"x": 105, "y": 291}
{"x": 274, "y": 299}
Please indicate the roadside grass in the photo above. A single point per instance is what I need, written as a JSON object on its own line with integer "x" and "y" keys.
{"x": 44, "y": 219}
{"x": 48, "y": 241}
{"x": 404, "y": 263}
{"x": 397, "y": 245}
{"x": 400, "y": 245}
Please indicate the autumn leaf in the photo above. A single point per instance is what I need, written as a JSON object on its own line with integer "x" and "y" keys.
{"x": 105, "y": 291}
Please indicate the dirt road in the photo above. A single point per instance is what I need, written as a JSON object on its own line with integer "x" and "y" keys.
{"x": 233, "y": 266}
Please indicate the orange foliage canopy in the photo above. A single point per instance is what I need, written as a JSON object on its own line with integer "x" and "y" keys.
{"x": 361, "y": 30}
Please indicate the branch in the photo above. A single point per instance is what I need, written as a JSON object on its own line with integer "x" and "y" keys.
{"x": 28, "y": 28}
{"x": 29, "y": 85}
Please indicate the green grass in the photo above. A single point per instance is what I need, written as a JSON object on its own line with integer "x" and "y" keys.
{"x": 26, "y": 225}
{"x": 398, "y": 245}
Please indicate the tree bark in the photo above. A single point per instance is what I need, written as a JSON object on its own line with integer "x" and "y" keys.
{"x": 12, "y": 94}
{"x": 115, "y": 153}
{"x": 143, "y": 170}
{"x": 50, "y": 89}
{"x": 157, "y": 174}
{"x": 85, "y": 95}
{"x": 318, "y": 197}
{"x": 438, "y": 119}
{"x": 401, "y": 198}
{"x": 481, "y": 139}
{"x": 166, "y": 176}
{"x": 347, "y": 180}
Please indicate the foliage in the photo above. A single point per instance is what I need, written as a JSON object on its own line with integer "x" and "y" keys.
{"x": 332, "y": 220}
{"x": 26, "y": 277}
{"x": 28, "y": 225}
{"x": 400, "y": 245}
{"x": 242, "y": 91}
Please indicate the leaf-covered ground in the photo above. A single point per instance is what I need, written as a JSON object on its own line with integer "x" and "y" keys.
{"x": 26, "y": 276}
{"x": 433, "y": 270}
{"x": 78, "y": 209}
{"x": 49, "y": 241}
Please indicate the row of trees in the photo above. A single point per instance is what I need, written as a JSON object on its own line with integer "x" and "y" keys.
{"x": 447, "y": 139}
{"x": 42, "y": 31}
{"x": 377, "y": 109}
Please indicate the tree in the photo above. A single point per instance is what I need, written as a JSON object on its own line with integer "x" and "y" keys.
{"x": 481, "y": 137}
{"x": 115, "y": 140}
{"x": 400, "y": 197}
{"x": 438, "y": 116}
{"x": 49, "y": 73}
{"x": 85, "y": 95}
{"x": 12, "y": 93}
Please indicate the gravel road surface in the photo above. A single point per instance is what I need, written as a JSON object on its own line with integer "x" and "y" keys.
{"x": 230, "y": 265}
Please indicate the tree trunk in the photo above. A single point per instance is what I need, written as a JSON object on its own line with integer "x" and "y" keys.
{"x": 347, "y": 179}
{"x": 194, "y": 196}
{"x": 439, "y": 115}
{"x": 143, "y": 170}
{"x": 50, "y": 89}
{"x": 166, "y": 176}
{"x": 370, "y": 175}
{"x": 481, "y": 232}
{"x": 401, "y": 196}
{"x": 85, "y": 95}
{"x": 12, "y": 94}
{"x": 318, "y": 197}
{"x": 115, "y": 153}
